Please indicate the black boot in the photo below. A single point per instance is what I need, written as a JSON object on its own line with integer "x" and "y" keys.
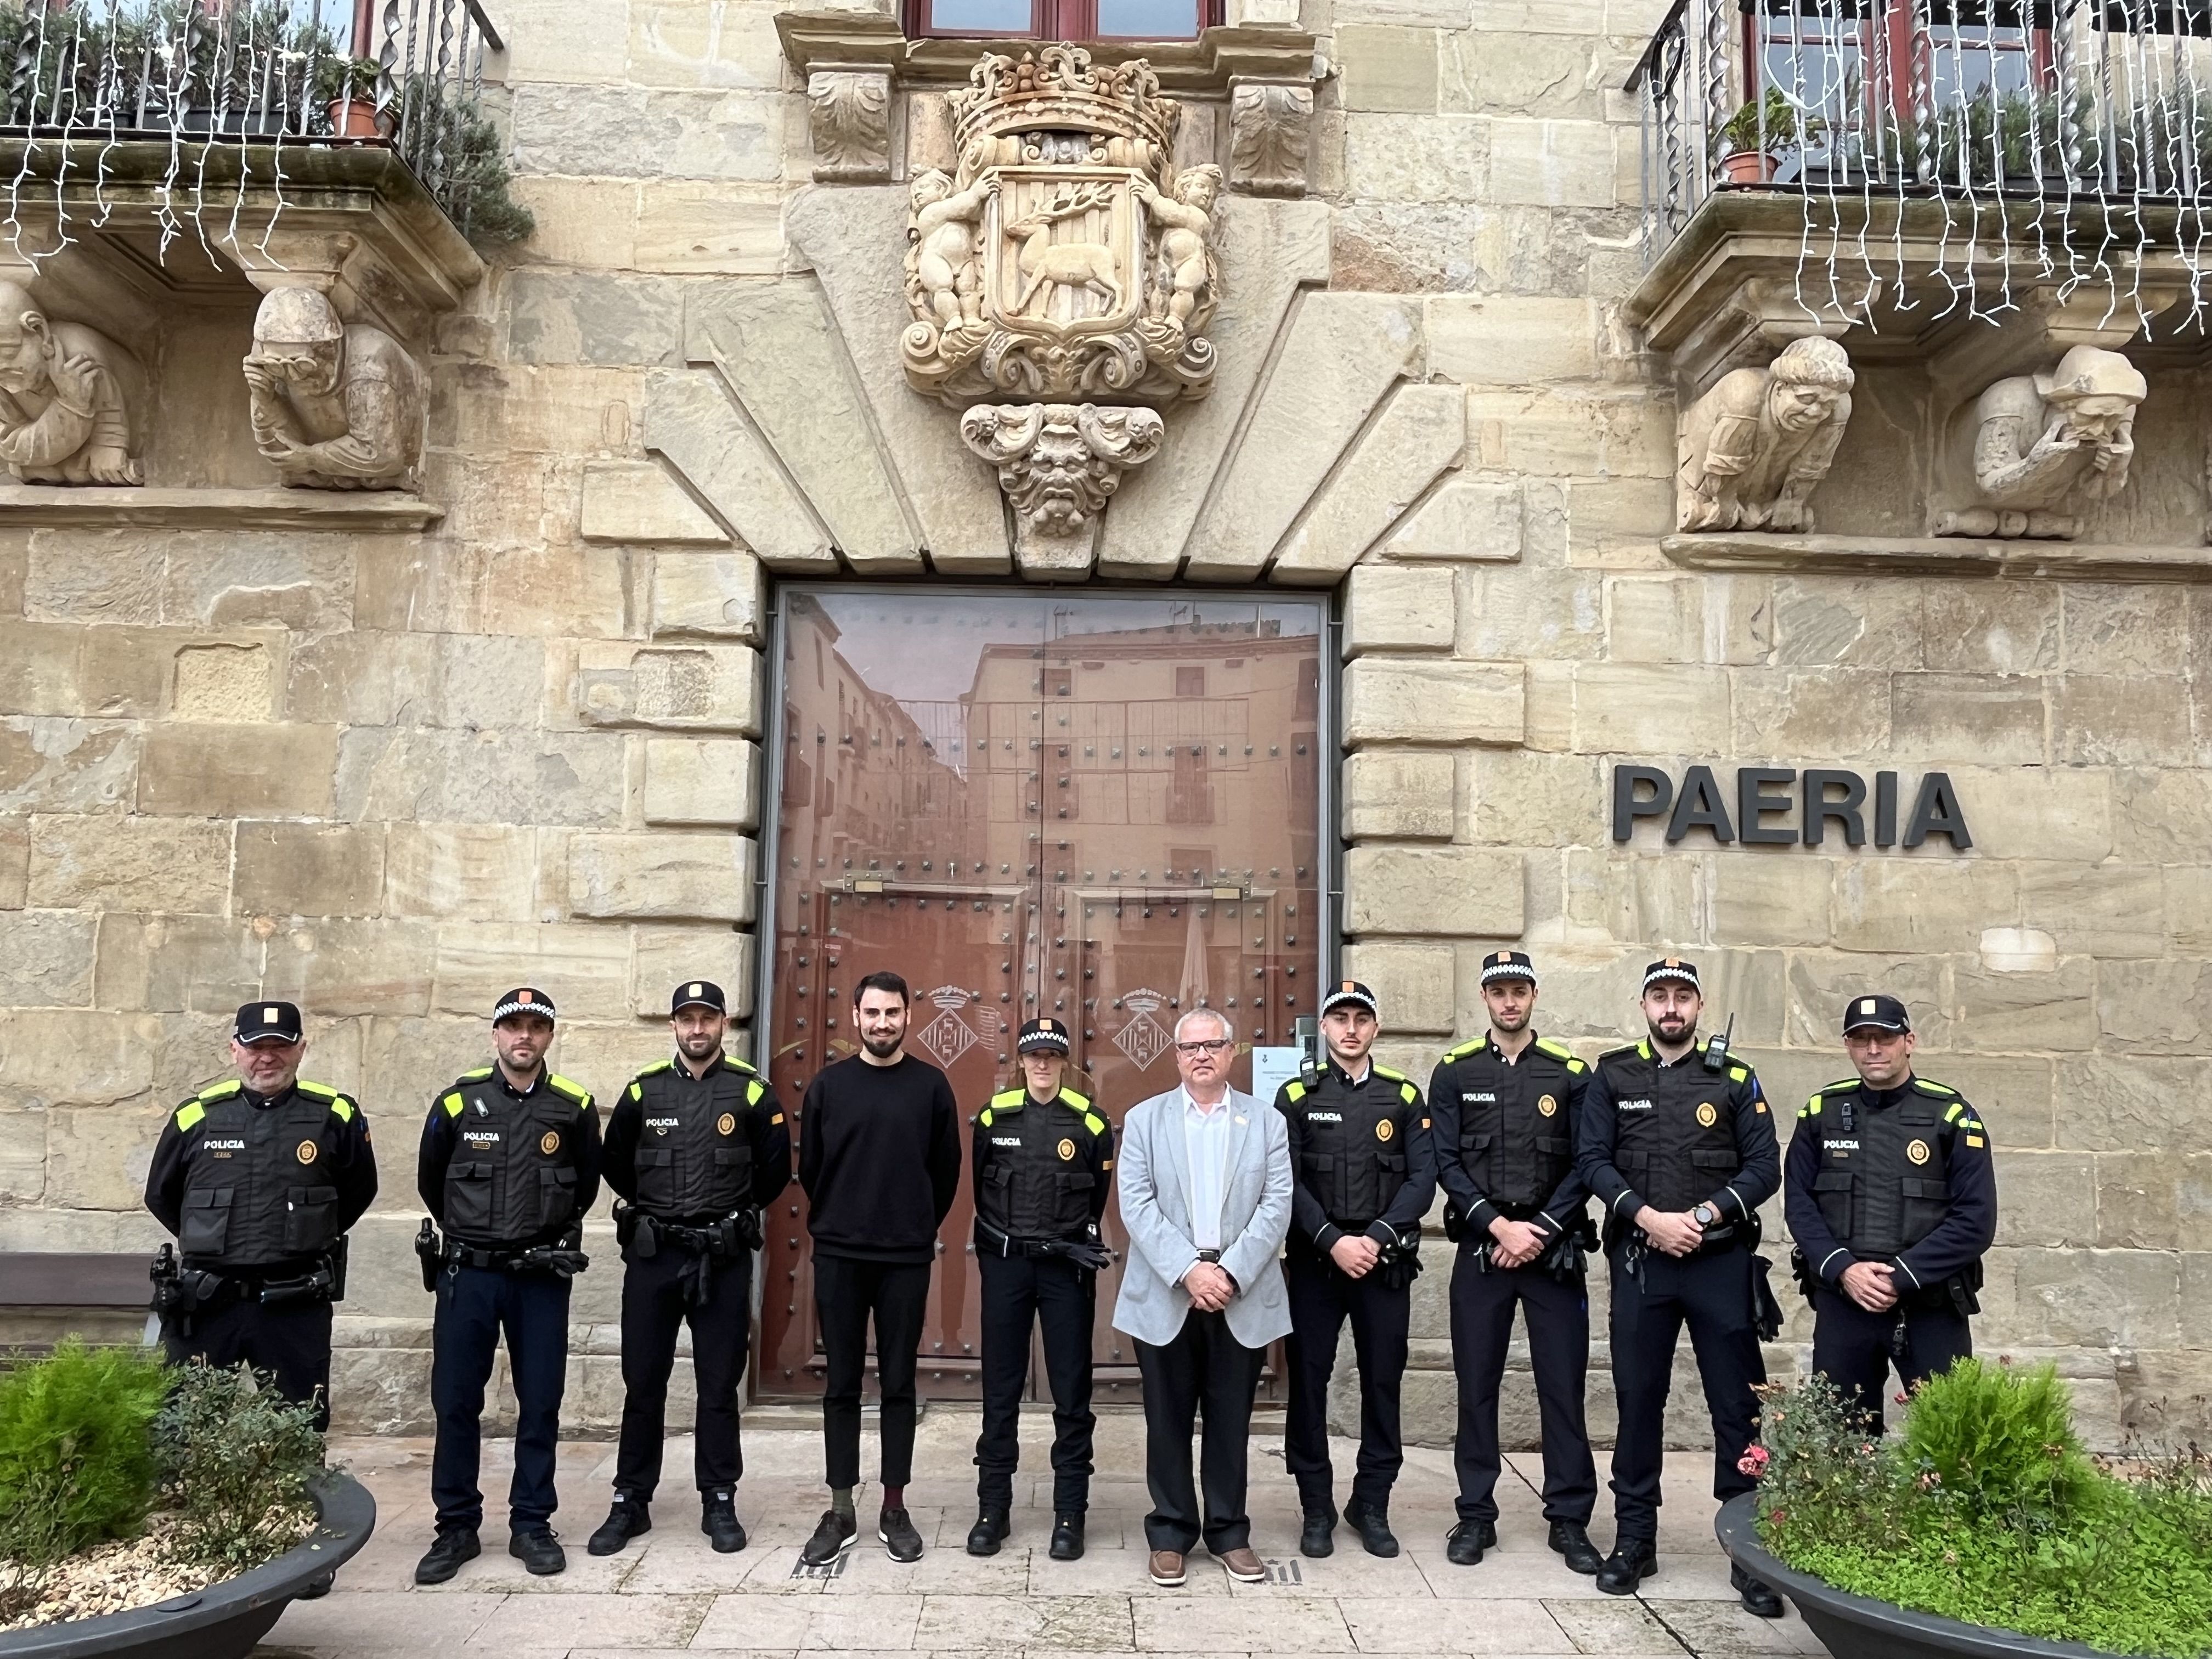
{"x": 1633, "y": 1561}
{"x": 539, "y": 1552}
{"x": 717, "y": 1519}
{"x": 1373, "y": 1526}
{"x": 1067, "y": 1536}
{"x": 1759, "y": 1597}
{"x": 628, "y": 1519}
{"x": 992, "y": 1525}
{"x": 447, "y": 1554}
{"x": 1571, "y": 1540}
{"x": 1315, "y": 1539}
{"x": 1464, "y": 1548}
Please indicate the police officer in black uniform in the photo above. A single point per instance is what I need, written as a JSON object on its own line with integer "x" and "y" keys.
{"x": 1892, "y": 1196}
{"x": 509, "y": 1165}
{"x": 1503, "y": 1107}
{"x": 1043, "y": 1158}
{"x": 1677, "y": 1144}
{"x": 1365, "y": 1171}
{"x": 694, "y": 1147}
{"x": 260, "y": 1177}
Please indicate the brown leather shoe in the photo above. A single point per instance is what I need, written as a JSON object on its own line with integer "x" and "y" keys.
{"x": 1244, "y": 1566}
{"x": 1166, "y": 1568}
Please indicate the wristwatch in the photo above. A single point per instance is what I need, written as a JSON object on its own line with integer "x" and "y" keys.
{"x": 1705, "y": 1215}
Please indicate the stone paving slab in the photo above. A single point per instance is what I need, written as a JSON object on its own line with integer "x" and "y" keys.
{"x": 670, "y": 1594}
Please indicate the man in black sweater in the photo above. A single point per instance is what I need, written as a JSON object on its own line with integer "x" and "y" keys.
{"x": 879, "y": 1159}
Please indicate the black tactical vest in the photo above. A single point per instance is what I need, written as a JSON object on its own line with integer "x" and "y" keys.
{"x": 1674, "y": 1136}
{"x": 1884, "y": 1181}
{"x": 695, "y": 1159}
{"x": 1515, "y": 1141}
{"x": 1033, "y": 1176}
{"x": 512, "y": 1178}
{"x": 258, "y": 1186}
{"x": 1354, "y": 1157}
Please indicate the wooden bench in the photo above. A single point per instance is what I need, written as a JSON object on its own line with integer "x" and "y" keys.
{"x": 47, "y": 1295}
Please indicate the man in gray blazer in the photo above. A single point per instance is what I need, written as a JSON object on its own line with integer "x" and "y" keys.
{"x": 1206, "y": 1197}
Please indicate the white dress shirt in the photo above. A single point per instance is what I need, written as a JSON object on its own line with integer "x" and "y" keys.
{"x": 1206, "y": 1143}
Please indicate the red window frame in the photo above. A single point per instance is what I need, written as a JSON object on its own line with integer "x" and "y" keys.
{"x": 1051, "y": 20}
{"x": 1763, "y": 27}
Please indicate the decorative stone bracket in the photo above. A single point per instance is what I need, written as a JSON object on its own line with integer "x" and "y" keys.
{"x": 1058, "y": 463}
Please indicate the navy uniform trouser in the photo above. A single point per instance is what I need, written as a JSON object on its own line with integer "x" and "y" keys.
{"x": 1711, "y": 1295}
{"x": 1558, "y": 1315}
{"x": 476, "y": 1307}
{"x": 653, "y": 1310}
{"x": 290, "y": 1341}
{"x": 1061, "y": 1299}
{"x": 1852, "y": 1348}
{"x": 1322, "y": 1298}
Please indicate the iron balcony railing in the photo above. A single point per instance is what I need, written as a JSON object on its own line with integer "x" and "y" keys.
{"x": 2068, "y": 134}
{"x": 409, "y": 73}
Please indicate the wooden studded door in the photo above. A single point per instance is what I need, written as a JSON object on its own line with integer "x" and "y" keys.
{"x": 1105, "y": 808}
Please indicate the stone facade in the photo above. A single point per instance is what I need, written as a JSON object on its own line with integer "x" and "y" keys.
{"x": 389, "y": 770}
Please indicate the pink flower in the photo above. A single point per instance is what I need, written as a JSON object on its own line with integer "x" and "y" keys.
{"x": 1901, "y": 1398}
{"x": 1753, "y": 1462}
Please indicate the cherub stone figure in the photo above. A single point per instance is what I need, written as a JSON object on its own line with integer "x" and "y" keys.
{"x": 65, "y": 398}
{"x": 335, "y": 405}
{"x": 944, "y": 279}
{"x": 1755, "y": 447}
{"x": 1186, "y": 276}
{"x": 2043, "y": 446}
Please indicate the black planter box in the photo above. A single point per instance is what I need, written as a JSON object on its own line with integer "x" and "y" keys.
{"x": 1856, "y": 1627}
{"x": 224, "y": 1621}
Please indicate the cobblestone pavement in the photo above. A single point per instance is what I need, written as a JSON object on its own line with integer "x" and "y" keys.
{"x": 669, "y": 1592}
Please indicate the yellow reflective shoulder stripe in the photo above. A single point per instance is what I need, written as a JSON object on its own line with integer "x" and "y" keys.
{"x": 1955, "y": 1113}
{"x": 342, "y": 1109}
{"x": 1008, "y": 1097}
{"x": 1095, "y": 1123}
{"x": 985, "y": 1118}
{"x": 658, "y": 1066}
{"x": 1557, "y": 1050}
{"x": 754, "y": 1090}
{"x": 1463, "y": 1050}
{"x": 477, "y": 1076}
{"x": 318, "y": 1090}
{"x": 189, "y": 1114}
{"x": 220, "y": 1090}
{"x": 1296, "y": 1090}
{"x": 1811, "y": 1109}
{"x": 1081, "y": 1103}
{"x": 1395, "y": 1077}
{"x": 1408, "y": 1092}
{"x": 1739, "y": 1074}
{"x": 453, "y": 1105}
{"x": 636, "y": 1093}
{"x": 569, "y": 1086}
{"x": 1576, "y": 1067}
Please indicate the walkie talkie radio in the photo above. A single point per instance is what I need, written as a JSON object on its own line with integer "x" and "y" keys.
{"x": 1717, "y": 1048}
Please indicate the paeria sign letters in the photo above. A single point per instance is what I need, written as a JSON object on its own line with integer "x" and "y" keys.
{"x": 1822, "y": 800}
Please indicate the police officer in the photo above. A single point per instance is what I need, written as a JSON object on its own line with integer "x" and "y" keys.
{"x": 1677, "y": 1144}
{"x": 694, "y": 1147}
{"x": 1892, "y": 1197}
{"x": 1043, "y": 1158}
{"x": 509, "y": 1165}
{"x": 1365, "y": 1171}
{"x": 260, "y": 1177}
{"x": 1504, "y": 1107}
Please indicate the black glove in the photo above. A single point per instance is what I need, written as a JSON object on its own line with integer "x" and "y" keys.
{"x": 1095, "y": 1258}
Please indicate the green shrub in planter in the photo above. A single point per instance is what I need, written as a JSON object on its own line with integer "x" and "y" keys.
{"x": 235, "y": 1463}
{"x": 76, "y": 1458}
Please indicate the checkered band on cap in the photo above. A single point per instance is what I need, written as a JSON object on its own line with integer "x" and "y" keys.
{"x": 1043, "y": 1037}
{"x": 1350, "y": 990}
{"x": 523, "y": 999}
{"x": 1508, "y": 964}
{"x": 1672, "y": 968}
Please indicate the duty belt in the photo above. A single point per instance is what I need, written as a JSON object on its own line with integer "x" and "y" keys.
{"x": 182, "y": 1291}
{"x": 1082, "y": 1252}
{"x": 563, "y": 1260}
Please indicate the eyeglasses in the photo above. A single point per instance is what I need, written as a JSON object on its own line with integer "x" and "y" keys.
{"x": 1213, "y": 1047}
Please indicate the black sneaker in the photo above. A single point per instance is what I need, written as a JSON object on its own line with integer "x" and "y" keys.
{"x": 1633, "y": 1561}
{"x": 717, "y": 1519}
{"x": 1315, "y": 1537}
{"x": 1373, "y": 1527}
{"x": 992, "y": 1525}
{"x": 1468, "y": 1541}
{"x": 1573, "y": 1542}
{"x": 900, "y": 1541}
{"x": 1067, "y": 1536}
{"x": 539, "y": 1550}
{"x": 447, "y": 1554}
{"x": 831, "y": 1538}
{"x": 1759, "y": 1597}
{"x": 625, "y": 1521}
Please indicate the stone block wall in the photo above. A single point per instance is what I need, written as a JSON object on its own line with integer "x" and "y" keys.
{"x": 390, "y": 774}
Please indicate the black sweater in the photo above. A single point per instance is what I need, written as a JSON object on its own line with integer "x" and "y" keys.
{"x": 879, "y": 1159}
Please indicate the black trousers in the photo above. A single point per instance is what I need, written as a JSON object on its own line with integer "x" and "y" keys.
{"x": 1557, "y": 1312}
{"x": 1204, "y": 1367}
{"x": 291, "y": 1342}
{"x": 1851, "y": 1346}
{"x": 477, "y": 1306}
{"x": 1019, "y": 1292}
{"x": 1321, "y": 1299}
{"x": 1711, "y": 1295}
{"x": 847, "y": 1293}
{"x": 653, "y": 1312}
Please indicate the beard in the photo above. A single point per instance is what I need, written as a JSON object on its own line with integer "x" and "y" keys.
{"x": 883, "y": 1047}
{"x": 698, "y": 1048}
{"x": 1672, "y": 1028}
{"x": 1515, "y": 1021}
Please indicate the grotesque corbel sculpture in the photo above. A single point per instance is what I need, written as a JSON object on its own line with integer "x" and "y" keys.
{"x": 1754, "y": 447}
{"x": 66, "y": 394}
{"x": 1057, "y": 464}
{"x": 335, "y": 405}
{"x": 2042, "y": 447}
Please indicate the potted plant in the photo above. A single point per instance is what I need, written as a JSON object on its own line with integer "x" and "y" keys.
{"x": 1984, "y": 1528}
{"x": 1753, "y": 140}
{"x": 346, "y": 87}
{"x": 147, "y": 1511}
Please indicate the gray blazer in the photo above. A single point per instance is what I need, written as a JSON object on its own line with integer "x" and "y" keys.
{"x": 1256, "y": 1214}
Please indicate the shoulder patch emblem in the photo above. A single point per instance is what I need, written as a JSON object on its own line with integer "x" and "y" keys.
{"x": 189, "y": 1114}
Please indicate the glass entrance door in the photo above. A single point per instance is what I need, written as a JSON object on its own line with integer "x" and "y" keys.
{"x": 1105, "y": 808}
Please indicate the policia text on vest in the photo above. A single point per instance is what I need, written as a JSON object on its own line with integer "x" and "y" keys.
{"x": 1828, "y": 802}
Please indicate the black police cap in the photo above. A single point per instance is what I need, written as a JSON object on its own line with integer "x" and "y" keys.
{"x": 1508, "y": 964}
{"x": 1350, "y": 990}
{"x": 267, "y": 1022}
{"x": 1043, "y": 1037}
{"x": 1880, "y": 1013}
{"x": 523, "y": 999}
{"x": 696, "y": 994}
{"x": 1673, "y": 968}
